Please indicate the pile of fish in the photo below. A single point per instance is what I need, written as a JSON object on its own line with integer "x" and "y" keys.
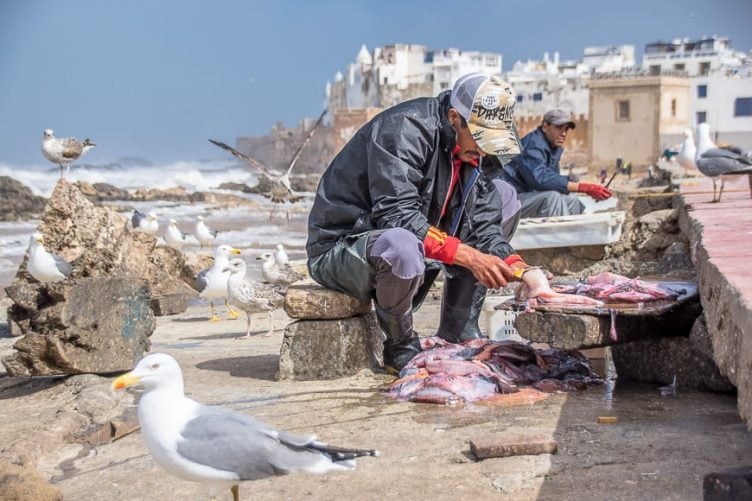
{"x": 446, "y": 373}
{"x": 613, "y": 288}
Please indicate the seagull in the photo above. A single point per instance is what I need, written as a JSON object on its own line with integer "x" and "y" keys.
{"x": 718, "y": 162}
{"x": 281, "y": 191}
{"x": 215, "y": 446}
{"x": 44, "y": 266}
{"x": 173, "y": 236}
{"x": 203, "y": 234}
{"x": 280, "y": 257}
{"x": 277, "y": 275}
{"x": 686, "y": 156}
{"x": 212, "y": 282}
{"x": 252, "y": 297}
{"x": 145, "y": 223}
{"x": 65, "y": 150}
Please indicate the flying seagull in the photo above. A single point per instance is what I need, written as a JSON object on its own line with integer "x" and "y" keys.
{"x": 718, "y": 162}
{"x": 252, "y": 297}
{"x": 63, "y": 151}
{"x": 44, "y": 266}
{"x": 212, "y": 282}
{"x": 214, "y": 446}
{"x": 281, "y": 190}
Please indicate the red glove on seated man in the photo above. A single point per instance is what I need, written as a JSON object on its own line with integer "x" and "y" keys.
{"x": 595, "y": 191}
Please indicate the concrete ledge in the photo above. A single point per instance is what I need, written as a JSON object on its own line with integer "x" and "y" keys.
{"x": 719, "y": 239}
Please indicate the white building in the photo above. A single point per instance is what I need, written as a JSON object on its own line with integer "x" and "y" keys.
{"x": 396, "y": 73}
{"x": 720, "y": 83}
{"x": 550, "y": 83}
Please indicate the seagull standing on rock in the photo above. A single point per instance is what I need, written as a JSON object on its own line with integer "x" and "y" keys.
{"x": 277, "y": 275}
{"x": 145, "y": 223}
{"x": 212, "y": 282}
{"x": 203, "y": 234}
{"x": 63, "y": 151}
{"x": 173, "y": 236}
{"x": 44, "y": 266}
{"x": 280, "y": 257}
{"x": 717, "y": 162}
{"x": 252, "y": 297}
{"x": 214, "y": 446}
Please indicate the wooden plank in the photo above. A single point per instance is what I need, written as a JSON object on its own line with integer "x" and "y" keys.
{"x": 514, "y": 445}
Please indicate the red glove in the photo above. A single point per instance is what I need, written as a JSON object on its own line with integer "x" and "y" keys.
{"x": 596, "y": 191}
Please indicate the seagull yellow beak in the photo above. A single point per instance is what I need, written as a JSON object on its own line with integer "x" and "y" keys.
{"x": 125, "y": 381}
{"x": 235, "y": 251}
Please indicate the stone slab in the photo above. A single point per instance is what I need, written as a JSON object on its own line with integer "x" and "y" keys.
{"x": 580, "y": 331}
{"x": 329, "y": 349}
{"x": 311, "y": 301}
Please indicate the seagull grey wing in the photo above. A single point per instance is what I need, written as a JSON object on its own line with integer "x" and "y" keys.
{"x": 230, "y": 441}
{"x": 717, "y": 161}
{"x": 721, "y": 153}
{"x": 137, "y": 218}
{"x": 71, "y": 148}
{"x": 62, "y": 265}
{"x": 250, "y": 161}
{"x": 201, "y": 280}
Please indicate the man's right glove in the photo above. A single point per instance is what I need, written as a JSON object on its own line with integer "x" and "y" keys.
{"x": 596, "y": 191}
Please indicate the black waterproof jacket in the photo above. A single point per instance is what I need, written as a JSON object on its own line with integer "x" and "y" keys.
{"x": 395, "y": 173}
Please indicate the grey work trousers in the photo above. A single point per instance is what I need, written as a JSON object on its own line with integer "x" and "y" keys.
{"x": 389, "y": 265}
{"x": 549, "y": 204}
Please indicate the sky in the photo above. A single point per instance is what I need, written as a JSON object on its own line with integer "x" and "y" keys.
{"x": 154, "y": 79}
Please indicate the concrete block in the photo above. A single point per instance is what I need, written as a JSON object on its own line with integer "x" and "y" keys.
{"x": 328, "y": 349}
{"x": 314, "y": 302}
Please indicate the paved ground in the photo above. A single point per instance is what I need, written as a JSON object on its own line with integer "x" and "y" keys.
{"x": 660, "y": 448}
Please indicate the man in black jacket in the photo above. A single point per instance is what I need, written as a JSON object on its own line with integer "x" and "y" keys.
{"x": 407, "y": 196}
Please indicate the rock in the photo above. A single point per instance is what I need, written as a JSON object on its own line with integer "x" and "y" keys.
{"x": 195, "y": 262}
{"x": 314, "y": 302}
{"x": 177, "y": 194}
{"x": 176, "y": 300}
{"x": 17, "y": 201}
{"x": 19, "y": 483}
{"x": 87, "y": 325}
{"x": 732, "y": 484}
{"x": 242, "y": 187}
{"x": 223, "y": 200}
{"x": 328, "y": 349}
{"x": 658, "y": 360}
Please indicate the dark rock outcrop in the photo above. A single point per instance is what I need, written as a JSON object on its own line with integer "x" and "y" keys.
{"x": 17, "y": 201}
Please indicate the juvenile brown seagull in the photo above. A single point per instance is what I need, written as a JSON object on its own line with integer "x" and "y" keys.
{"x": 65, "y": 150}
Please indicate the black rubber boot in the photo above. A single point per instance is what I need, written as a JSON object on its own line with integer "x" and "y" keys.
{"x": 402, "y": 342}
{"x": 461, "y": 305}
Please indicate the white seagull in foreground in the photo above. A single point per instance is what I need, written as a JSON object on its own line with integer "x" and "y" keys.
{"x": 252, "y": 297}
{"x": 686, "y": 155}
{"x": 718, "y": 162}
{"x": 145, "y": 223}
{"x": 203, "y": 234}
{"x": 44, "y": 266}
{"x": 277, "y": 275}
{"x": 280, "y": 257}
{"x": 214, "y": 446}
{"x": 212, "y": 282}
{"x": 63, "y": 151}
{"x": 173, "y": 236}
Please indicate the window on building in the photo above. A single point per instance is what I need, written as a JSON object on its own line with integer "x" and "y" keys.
{"x": 673, "y": 107}
{"x": 538, "y": 96}
{"x": 702, "y": 117}
{"x": 622, "y": 111}
{"x": 743, "y": 107}
{"x": 655, "y": 69}
{"x": 520, "y": 98}
{"x": 679, "y": 66}
{"x": 702, "y": 91}
{"x": 705, "y": 68}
